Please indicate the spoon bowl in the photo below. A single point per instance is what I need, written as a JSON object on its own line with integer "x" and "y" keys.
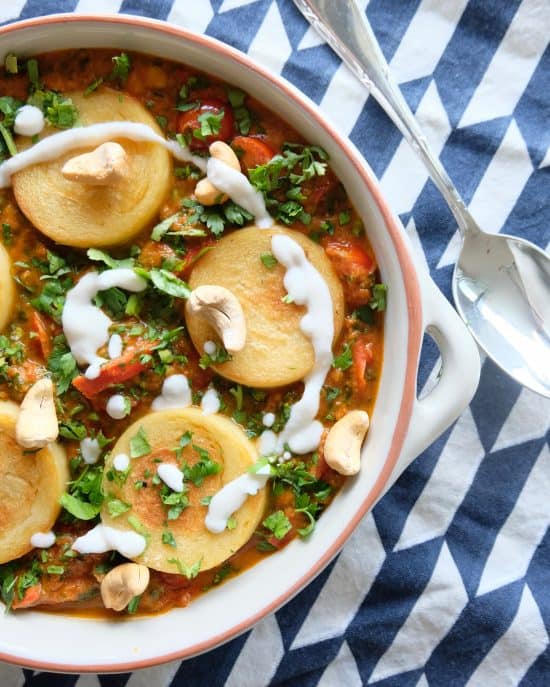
{"x": 500, "y": 287}
{"x": 501, "y": 284}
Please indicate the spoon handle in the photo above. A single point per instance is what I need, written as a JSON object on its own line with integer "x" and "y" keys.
{"x": 346, "y": 29}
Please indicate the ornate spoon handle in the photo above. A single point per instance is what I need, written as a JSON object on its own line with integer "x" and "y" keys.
{"x": 346, "y": 29}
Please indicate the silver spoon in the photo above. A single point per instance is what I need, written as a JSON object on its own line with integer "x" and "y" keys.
{"x": 501, "y": 284}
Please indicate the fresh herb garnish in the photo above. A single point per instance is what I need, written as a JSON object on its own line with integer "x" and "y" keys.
{"x": 378, "y": 300}
{"x": 189, "y": 571}
{"x": 219, "y": 356}
{"x": 139, "y": 445}
{"x": 204, "y": 467}
{"x": 344, "y": 360}
{"x": 85, "y": 495}
{"x": 168, "y": 283}
{"x": 278, "y": 524}
{"x": 268, "y": 260}
{"x": 122, "y": 66}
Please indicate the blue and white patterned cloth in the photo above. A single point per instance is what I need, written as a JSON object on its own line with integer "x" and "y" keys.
{"x": 447, "y": 582}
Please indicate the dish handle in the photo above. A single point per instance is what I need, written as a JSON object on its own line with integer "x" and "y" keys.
{"x": 457, "y": 380}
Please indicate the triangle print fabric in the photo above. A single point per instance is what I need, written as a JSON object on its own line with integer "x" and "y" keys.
{"x": 447, "y": 582}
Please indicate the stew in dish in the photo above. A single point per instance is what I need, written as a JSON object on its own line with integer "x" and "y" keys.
{"x": 191, "y": 332}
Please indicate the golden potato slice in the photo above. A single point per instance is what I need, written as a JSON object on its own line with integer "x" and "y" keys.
{"x": 226, "y": 444}
{"x": 31, "y": 485}
{"x": 7, "y": 289}
{"x": 276, "y": 351}
{"x": 77, "y": 214}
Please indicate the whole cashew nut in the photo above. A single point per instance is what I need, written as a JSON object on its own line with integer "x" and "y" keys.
{"x": 205, "y": 192}
{"x": 121, "y": 584}
{"x": 343, "y": 443}
{"x": 104, "y": 166}
{"x": 36, "y": 423}
{"x": 221, "y": 308}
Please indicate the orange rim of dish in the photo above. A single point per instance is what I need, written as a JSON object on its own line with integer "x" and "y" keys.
{"x": 414, "y": 339}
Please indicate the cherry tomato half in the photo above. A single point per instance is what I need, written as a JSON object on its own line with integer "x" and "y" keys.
{"x": 189, "y": 123}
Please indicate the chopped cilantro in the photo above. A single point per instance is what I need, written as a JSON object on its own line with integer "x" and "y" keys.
{"x": 7, "y": 234}
{"x": 85, "y": 494}
{"x": 73, "y": 430}
{"x": 32, "y": 71}
{"x": 168, "y": 283}
{"x": 378, "y": 300}
{"x": 96, "y": 83}
{"x": 189, "y": 571}
{"x": 178, "y": 501}
{"x": 82, "y": 510}
{"x": 204, "y": 467}
{"x": 225, "y": 570}
{"x": 62, "y": 365}
{"x": 139, "y": 445}
{"x": 133, "y": 605}
{"x": 268, "y": 260}
{"x": 278, "y": 524}
{"x": 364, "y": 313}
{"x": 219, "y": 356}
{"x": 138, "y": 526}
{"x": 210, "y": 124}
{"x": 344, "y": 218}
{"x": 100, "y": 256}
{"x": 236, "y": 97}
{"x": 10, "y": 63}
{"x": 55, "y": 570}
{"x": 122, "y": 66}
{"x": 344, "y": 360}
{"x": 117, "y": 507}
{"x": 168, "y": 538}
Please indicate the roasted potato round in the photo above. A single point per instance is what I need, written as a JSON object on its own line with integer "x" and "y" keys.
{"x": 276, "y": 351}
{"x": 225, "y": 444}
{"x": 31, "y": 485}
{"x": 7, "y": 290}
{"x": 74, "y": 213}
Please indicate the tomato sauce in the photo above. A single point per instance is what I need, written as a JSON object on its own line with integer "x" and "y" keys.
{"x": 177, "y": 96}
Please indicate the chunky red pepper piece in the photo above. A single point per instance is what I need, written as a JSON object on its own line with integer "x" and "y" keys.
{"x": 116, "y": 371}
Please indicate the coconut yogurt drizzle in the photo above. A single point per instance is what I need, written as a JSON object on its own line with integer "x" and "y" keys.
{"x": 302, "y": 432}
{"x": 223, "y": 177}
{"x": 56, "y": 145}
{"x": 102, "y": 538}
{"x": 239, "y": 189}
{"x": 86, "y": 327}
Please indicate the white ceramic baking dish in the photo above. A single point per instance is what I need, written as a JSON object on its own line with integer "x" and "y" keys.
{"x": 401, "y": 428}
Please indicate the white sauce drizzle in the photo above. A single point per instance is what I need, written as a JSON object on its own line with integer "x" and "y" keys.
{"x": 116, "y": 407}
{"x": 43, "y": 540}
{"x": 175, "y": 393}
{"x": 209, "y": 347}
{"x": 103, "y": 538}
{"x": 239, "y": 189}
{"x": 86, "y": 327}
{"x": 306, "y": 286}
{"x": 302, "y": 432}
{"x": 268, "y": 419}
{"x": 121, "y": 462}
{"x": 114, "y": 348}
{"x": 210, "y": 402}
{"x": 29, "y": 121}
{"x": 58, "y": 144}
{"x": 171, "y": 475}
{"x": 90, "y": 450}
{"x": 232, "y": 496}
